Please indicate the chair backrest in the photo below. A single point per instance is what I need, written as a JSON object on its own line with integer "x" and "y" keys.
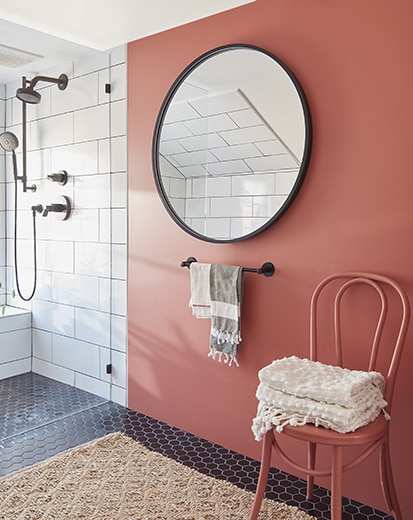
{"x": 383, "y": 286}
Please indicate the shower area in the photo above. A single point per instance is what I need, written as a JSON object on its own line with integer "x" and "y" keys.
{"x": 63, "y": 225}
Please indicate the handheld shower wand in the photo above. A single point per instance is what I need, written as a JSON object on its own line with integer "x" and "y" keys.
{"x": 9, "y": 142}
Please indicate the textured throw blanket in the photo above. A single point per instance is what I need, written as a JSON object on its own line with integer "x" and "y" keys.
{"x": 298, "y": 391}
{"x": 226, "y": 287}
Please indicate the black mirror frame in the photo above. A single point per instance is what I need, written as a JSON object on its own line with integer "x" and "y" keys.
{"x": 158, "y": 128}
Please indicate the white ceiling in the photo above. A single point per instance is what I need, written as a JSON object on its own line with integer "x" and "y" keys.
{"x": 60, "y": 30}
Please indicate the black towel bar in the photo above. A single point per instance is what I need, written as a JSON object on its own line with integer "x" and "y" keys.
{"x": 267, "y": 269}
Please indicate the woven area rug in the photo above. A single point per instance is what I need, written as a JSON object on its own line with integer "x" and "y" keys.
{"x": 117, "y": 478}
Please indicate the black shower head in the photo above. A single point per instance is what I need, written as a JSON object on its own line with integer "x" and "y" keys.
{"x": 27, "y": 94}
{"x": 8, "y": 141}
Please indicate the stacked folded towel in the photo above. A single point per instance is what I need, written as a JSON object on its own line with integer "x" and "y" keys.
{"x": 298, "y": 391}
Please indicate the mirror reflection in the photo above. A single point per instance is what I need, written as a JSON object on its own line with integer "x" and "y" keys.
{"x": 231, "y": 144}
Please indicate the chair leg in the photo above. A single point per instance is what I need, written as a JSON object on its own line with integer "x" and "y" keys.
{"x": 387, "y": 482}
{"x": 311, "y": 465}
{"x": 336, "y": 483}
{"x": 263, "y": 477}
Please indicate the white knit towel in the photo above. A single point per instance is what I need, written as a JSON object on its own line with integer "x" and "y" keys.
{"x": 298, "y": 391}
{"x": 200, "y": 301}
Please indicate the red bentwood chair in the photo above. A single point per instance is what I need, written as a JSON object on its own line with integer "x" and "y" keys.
{"x": 371, "y": 437}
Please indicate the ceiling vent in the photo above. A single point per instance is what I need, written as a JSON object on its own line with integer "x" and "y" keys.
{"x": 13, "y": 58}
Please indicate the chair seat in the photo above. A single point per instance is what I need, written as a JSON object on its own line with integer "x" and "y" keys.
{"x": 320, "y": 435}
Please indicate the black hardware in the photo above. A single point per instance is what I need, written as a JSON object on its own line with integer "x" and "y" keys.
{"x": 62, "y": 210}
{"x": 37, "y": 209}
{"x": 109, "y": 368}
{"x": 267, "y": 269}
{"x": 108, "y": 88}
{"x": 60, "y": 177}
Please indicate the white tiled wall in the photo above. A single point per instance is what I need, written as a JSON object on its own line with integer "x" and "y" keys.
{"x": 79, "y": 309}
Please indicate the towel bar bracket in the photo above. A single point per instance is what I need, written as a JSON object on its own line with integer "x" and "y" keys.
{"x": 267, "y": 269}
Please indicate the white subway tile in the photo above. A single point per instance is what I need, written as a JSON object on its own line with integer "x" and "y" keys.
{"x": 104, "y": 225}
{"x": 119, "y": 191}
{"x": 119, "y": 154}
{"x": 91, "y": 123}
{"x": 92, "y": 259}
{"x": 119, "y": 327}
{"x": 119, "y": 395}
{"x": 15, "y": 345}
{"x": 92, "y": 191}
{"x": 81, "y": 92}
{"x": 118, "y": 80}
{"x": 14, "y": 368}
{"x": 119, "y": 369}
{"x": 119, "y": 261}
{"x": 53, "y": 131}
{"x": 76, "y": 355}
{"x": 91, "y": 63}
{"x": 76, "y": 159}
{"x": 44, "y": 368}
{"x": 119, "y": 226}
{"x": 118, "y": 54}
{"x": 53, "y": 317}
{"x": 118, "y": 118}
{"x": 42, "y": 345}
{"x": 92, "y": 326}
{"x": 92, "y": 385}
{"x": 119, "y": 297}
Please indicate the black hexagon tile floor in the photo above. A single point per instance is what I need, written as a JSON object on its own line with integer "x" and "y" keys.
{"x": 40, "y": 417}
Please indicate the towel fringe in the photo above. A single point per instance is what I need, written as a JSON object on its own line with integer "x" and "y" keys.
{"x": 228, "y": 359}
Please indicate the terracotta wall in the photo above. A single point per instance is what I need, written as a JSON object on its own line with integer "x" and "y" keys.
{"x": 354, "y": 212}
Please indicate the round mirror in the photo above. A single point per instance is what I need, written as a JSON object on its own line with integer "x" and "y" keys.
{"x": 231, "y": 144}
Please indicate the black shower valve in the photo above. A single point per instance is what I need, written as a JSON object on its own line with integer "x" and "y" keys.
{"x": 60, "y": 177}
{"x": 62, "y": 210}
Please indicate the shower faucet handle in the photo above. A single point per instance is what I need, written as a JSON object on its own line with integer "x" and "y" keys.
{"x": 60, "y": 177}
{"x": 61, "y": 209}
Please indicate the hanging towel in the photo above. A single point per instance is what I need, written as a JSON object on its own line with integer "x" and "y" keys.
{"x": 298, "y": 391}
{"x": 200, "y": 301}
{"x": 226, "y": 288}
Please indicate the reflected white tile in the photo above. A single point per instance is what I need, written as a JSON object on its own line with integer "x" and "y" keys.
{"x": 119, "y": 395}
{"x": 255, "y": 184}
{"x": 231, "y": 206}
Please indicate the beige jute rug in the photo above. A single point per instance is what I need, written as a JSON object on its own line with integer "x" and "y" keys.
{"x": 117, "y": 478}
